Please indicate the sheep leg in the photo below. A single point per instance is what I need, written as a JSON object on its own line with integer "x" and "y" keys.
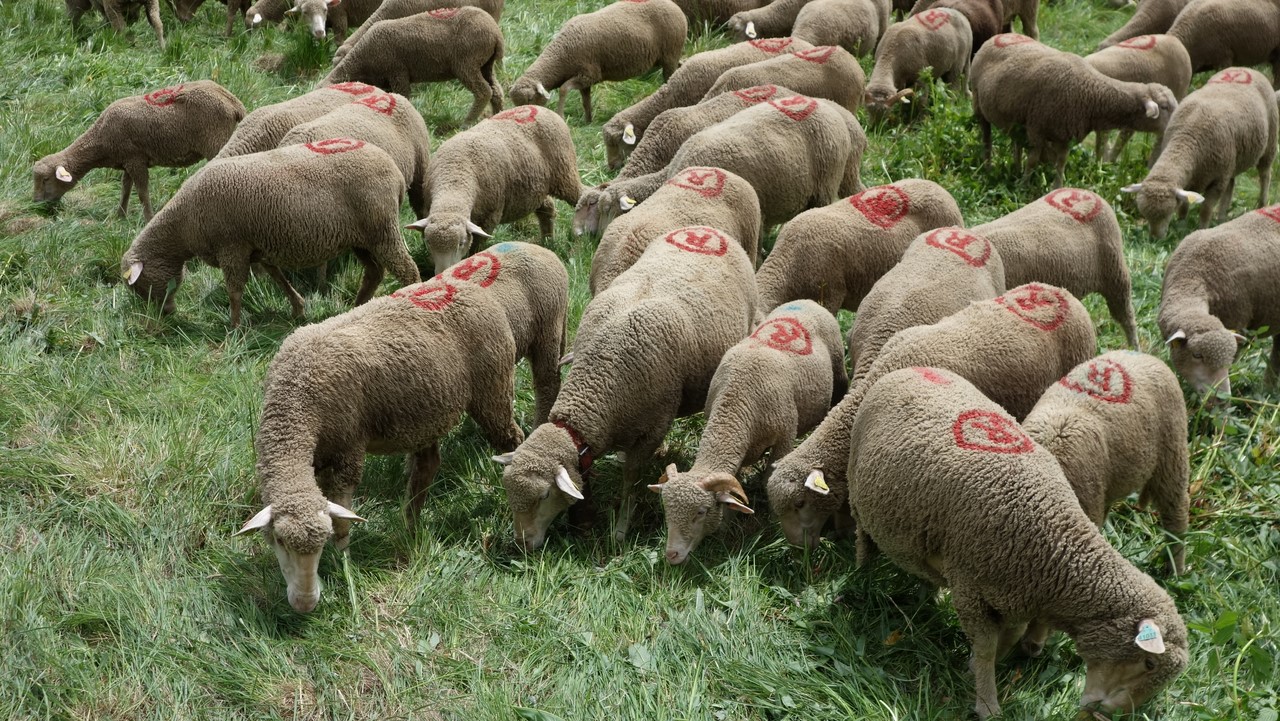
{"x": 986, "y": 139}
{"x": 473, "y": 80}
{"x": 295, "y": 300}
{"x": 153, "y": 17}
{"x": 373, "y": 274}
{"x": 1120, "y": 304}
{"x": 1122, "y": 140}
{"x": 138, "y": 173}
{"x": 1224, "y": 207}
{"x": 1033, "y": 640}
{"x": 977, "y": 620}
{"x": 338, "y": 481}
{"x": 1156, "y": 146}
{"x": 546, "y": 214}
{"x": 544, "y": 361}
{"x": 423, "y": 466}
{"x": 111, "y": 8}
{"x": 1264, "y": 176}
{"x": 562, "y": 94}
{"x": 394, "y": 256}
{"x": 493, "y": 408}
{"x": 585, "y": 92}
{"x": 1100, "y": 138}
{"x": 126, "y": 187}
{"x": 232, "y": 6}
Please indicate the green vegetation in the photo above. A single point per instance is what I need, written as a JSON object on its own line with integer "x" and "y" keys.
{"x": 126, "y": 461}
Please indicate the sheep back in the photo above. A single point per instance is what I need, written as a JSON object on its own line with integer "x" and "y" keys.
{"x": 1152, "y": 17}
{"x": 855, "y": 25}
{"x": 986, "y": 17}
{"x": 263, "y": 128}
{"x": 396, "y": 9}
{"x": 1147, "y": 59}
{"x": 938, "y": 38}
{"x": 829, "y": 72}
{"x": 1223, "y": 33}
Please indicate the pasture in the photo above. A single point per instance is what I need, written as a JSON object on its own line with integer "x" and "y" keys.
{"x": 126, "y": 462}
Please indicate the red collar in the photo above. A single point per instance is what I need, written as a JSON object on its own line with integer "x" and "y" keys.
{"x": 585, "y": 456}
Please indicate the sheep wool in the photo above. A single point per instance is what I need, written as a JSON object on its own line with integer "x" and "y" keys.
{"x": 952, "y": 490}
{"x": 1069, "y": 238}
{"x": 265, "y": 127}
{"x": 294, "y": 207}
{"x": 1143, "y": 59}
{"x": 645, "y": 353}
{"x": 938, "y": 38}
{"x": 1218, "y": 282}
{"x": 855, "y": 25}
{"x": 829, "y": 72}
{"x": 1152, "y": 17}
{"x": 172, "y": 127}
{"x": 1222, "y": 33}
{"x": 834, "y": 254}
{"x": 772, "y": 386}
{"x": 392, "y": 376}
{"x": 1011, "y": 347}
{"x": 396, "y": 9}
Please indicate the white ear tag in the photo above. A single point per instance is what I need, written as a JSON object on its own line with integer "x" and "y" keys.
{"x": 751, "y": 30}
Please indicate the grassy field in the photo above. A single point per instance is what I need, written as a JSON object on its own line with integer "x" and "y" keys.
{"x": 126, "y": 462}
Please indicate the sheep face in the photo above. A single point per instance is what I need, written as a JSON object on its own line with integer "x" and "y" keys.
{"x": 52, "y": 180}
{"x": 448, "y": 237}
{"x": 315, "y": 13}
{"x": 253, "y": 17}
{"x": 539, "y": 478}
{"x": 615, "y": 151}
{"x": 186, "y": 9}
{"x": 596, "y": 209}
{"x": 296, "y": 528}
{"x": 1205, "y": 358}
{"x": 1123, "y": 675}
{"x": 802, "y": 510}
{"x": 155, "y": 281}
{"x": 1157, "y": 202}
{"x": 526, "y": 91}
{"x": 695, "y": 507}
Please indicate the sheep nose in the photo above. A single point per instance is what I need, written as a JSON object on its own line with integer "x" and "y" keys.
{"x": 674, "y": 557}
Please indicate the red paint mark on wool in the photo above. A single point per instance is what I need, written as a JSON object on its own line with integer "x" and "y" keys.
{"x": 707, "y": 182}
{"x": 163, "y": 97}
{"x": 443, "y": 13}
{"x": 1271, "y": 211}
{"x": 785, "y": 334}
{"x": 699, "y": 239}
{"x": 972, "y": 249}
{"x": 1010, "y": 39}
{"x": 384, "y": 103}
{"x": 353, "y": 88}
{"x": 1044, "y": 308}
{"x": 1079, "y": 204}
{"x": 819, "y": 55}
{"x": 979, "y": 430}
{"x": 522, "y": 115}
{"x": 932, "y": 376}
{"x": 883, "y": 205}
{"x": 332, "y": 146}
{"x": 934, "y": 19}
{"x": 433, "y": 295}
{"x": 796, "y": 107}
{"x": 1232, "y": 77}
{"x": 773, "y": 46}
{"x": 757, "y": 94}
{"x": 1102, "y": 379}
{"x": 482, "y": 269}
{"x": 1142, "y": 42}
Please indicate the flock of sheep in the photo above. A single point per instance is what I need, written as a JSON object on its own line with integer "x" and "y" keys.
{"x": 979, "y": 440}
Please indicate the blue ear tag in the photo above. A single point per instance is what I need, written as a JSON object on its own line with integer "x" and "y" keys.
{"x": 1147, "y": 632}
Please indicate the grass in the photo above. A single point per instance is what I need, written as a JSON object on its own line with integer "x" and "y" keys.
{"x": 126, "y": 462}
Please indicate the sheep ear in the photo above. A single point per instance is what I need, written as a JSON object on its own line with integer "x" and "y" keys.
{"x": 1177, "y": 335}
{"x": 477, "y": 230}
{"x": 135, "y": 272}
{"x": 62, "y": 174}
{"x": 339, "y": 512}
{"x": 1153, "y": 110}
{"x": 504, "y": 459}
{"x": 1191, "y": 196}
{"x": 750, "y": 30}
{"x": 292, "y": 11}
{"x": 565, "y": 483}
{"x": 1131, "y": 188}
{"x": 260, "y": 520}
{"x": 727, "y": 490}
{"x": 419, "y": 225}
{"x": 667, "y": 475}
{"x": 544, "y": 92}
{"x": 629, "y": 134}
{"x": 566, "y": 359}
{"x": 1149, "y": 638}
{"x": 334, "y": 3}
{"x": 735, "y": 504}
{"x": 905, "y": 94}
{"x": 257, "y": 18}
{"x": 626, "y": 202}
{"x": 1240, "y": 339}
{"x": 817, "y": 482}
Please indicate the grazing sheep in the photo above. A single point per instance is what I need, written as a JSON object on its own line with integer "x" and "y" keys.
{"x": 835, "y": 254}
{"x": 985, "y": 16}
{"x": 619, "y": 41}
{"x": 451, "y": 43}
{"x": 1152, "y": 17}
{"x": 855, "y": 25}
{"x": 1011, "y": 348}
{"x": 686, "y": 86}
{"x": 396, "y": 9}
{"x": 169, "y": 128}
{"x": 709, "y": 196}
{"x": 1056, "y": 98}
{"x": 336, "y": 14}
{"x": 120, "y": 13}
{"x": 1218, "y": 282}
{"x": 390, "y": 377}
{"x": 644, "y": 354}
{"x": 938, "y": 38}
{"x": 1224, "y": 33}
{"x": 266, "y": 11}
{"x": 294, "y": 207}
{"x": 795, "y": 151}
{"x": 1217, "y": 133}
{"x": 1069, "y": 238}
{"x": 1144, "y": 59}
{"x": 774, "y": 20}
{"x": 772, "y": 386}
{"x": 390, "y": 122}
{"x": 499, "y": 171}
{"x": 185, "y": 10}
{"x": 828, "y": 72}
{"x": 953, "y": 491}
{"x": 941, "y": 273}
{"x": 265, "y": 127}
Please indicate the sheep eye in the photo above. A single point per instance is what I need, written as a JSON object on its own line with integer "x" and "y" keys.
{"x": 1151, "y": 664}
{"x": 702, "y": 511}
{"x": 1197, "y": 356}
{"x": 800, "y": 504}
{"x": 544, "y": 495}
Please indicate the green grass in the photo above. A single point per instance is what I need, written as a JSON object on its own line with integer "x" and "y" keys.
{"x": 126, "y": 462}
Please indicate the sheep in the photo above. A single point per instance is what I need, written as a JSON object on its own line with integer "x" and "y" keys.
{"x": 1152, "y": 17}
{"x": 430, "y": 47}
{"x": 941, "y": 272}
{"x": 855, "y": 25}
{"x": 294, "y": 207}
{"x": 392, "y": 376}
{"x": 1217, "y": 133}
{"x": 390, "y": 122}
{"x": 952, "y": 490}
{"x": 824, "y": 72}
{"x": 836, "y": 253}
{"x": 645, "y": 353}
{"x": 265, "y": 127}
{"x": 986, "y": 17}
{"x": 716, "y": 12}
{"x": 686, "y": 86}
{"x": 771, "y": 21}
{"x": 1011, "y": 348}
{"x": 1223, "y": 33}
{"x": 795, "y": 151}
{"x": 499, "y": 171}
{"x": 1068, "y": 238}
{"x": 1144, "y": 59}
{"x": 336, "y": 14}
{"x": 1057, "y": 98}
{"x": 119, "y": 13}
{"x": 396, "y": 9}
{"x": 269, "y": 11}
{"x": 938, "y": 38}
{"x": 171, "y": 128}
{"x": 772, "y": 386}
{"x": 1218, "y": 282}
{"x": 1025, "y": 10}
{"x": 619, "y": 41}
{"x": 185, "y": 10}
{"x": 709, "y": 196}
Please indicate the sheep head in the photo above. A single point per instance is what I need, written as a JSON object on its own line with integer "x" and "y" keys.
{"x": 155, "y": 280}
{"x": 1204, "y": 356}
{"x": 799, "y": 494}
{"x": 315, "y": 13}
{"x": 448, "y": 236}
{"x": 1159, "y": 200}
{"x": 597, "y": 207}
{"x": 527, "y": 91}
{"x": 694, "y": 507}
{"x": 52, "y": 179}
{"x": 616, "y": 143}
{"x": 1129, "y": 659}
{"x": 542, "y": 480}
{"x": 185, "y": 10}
